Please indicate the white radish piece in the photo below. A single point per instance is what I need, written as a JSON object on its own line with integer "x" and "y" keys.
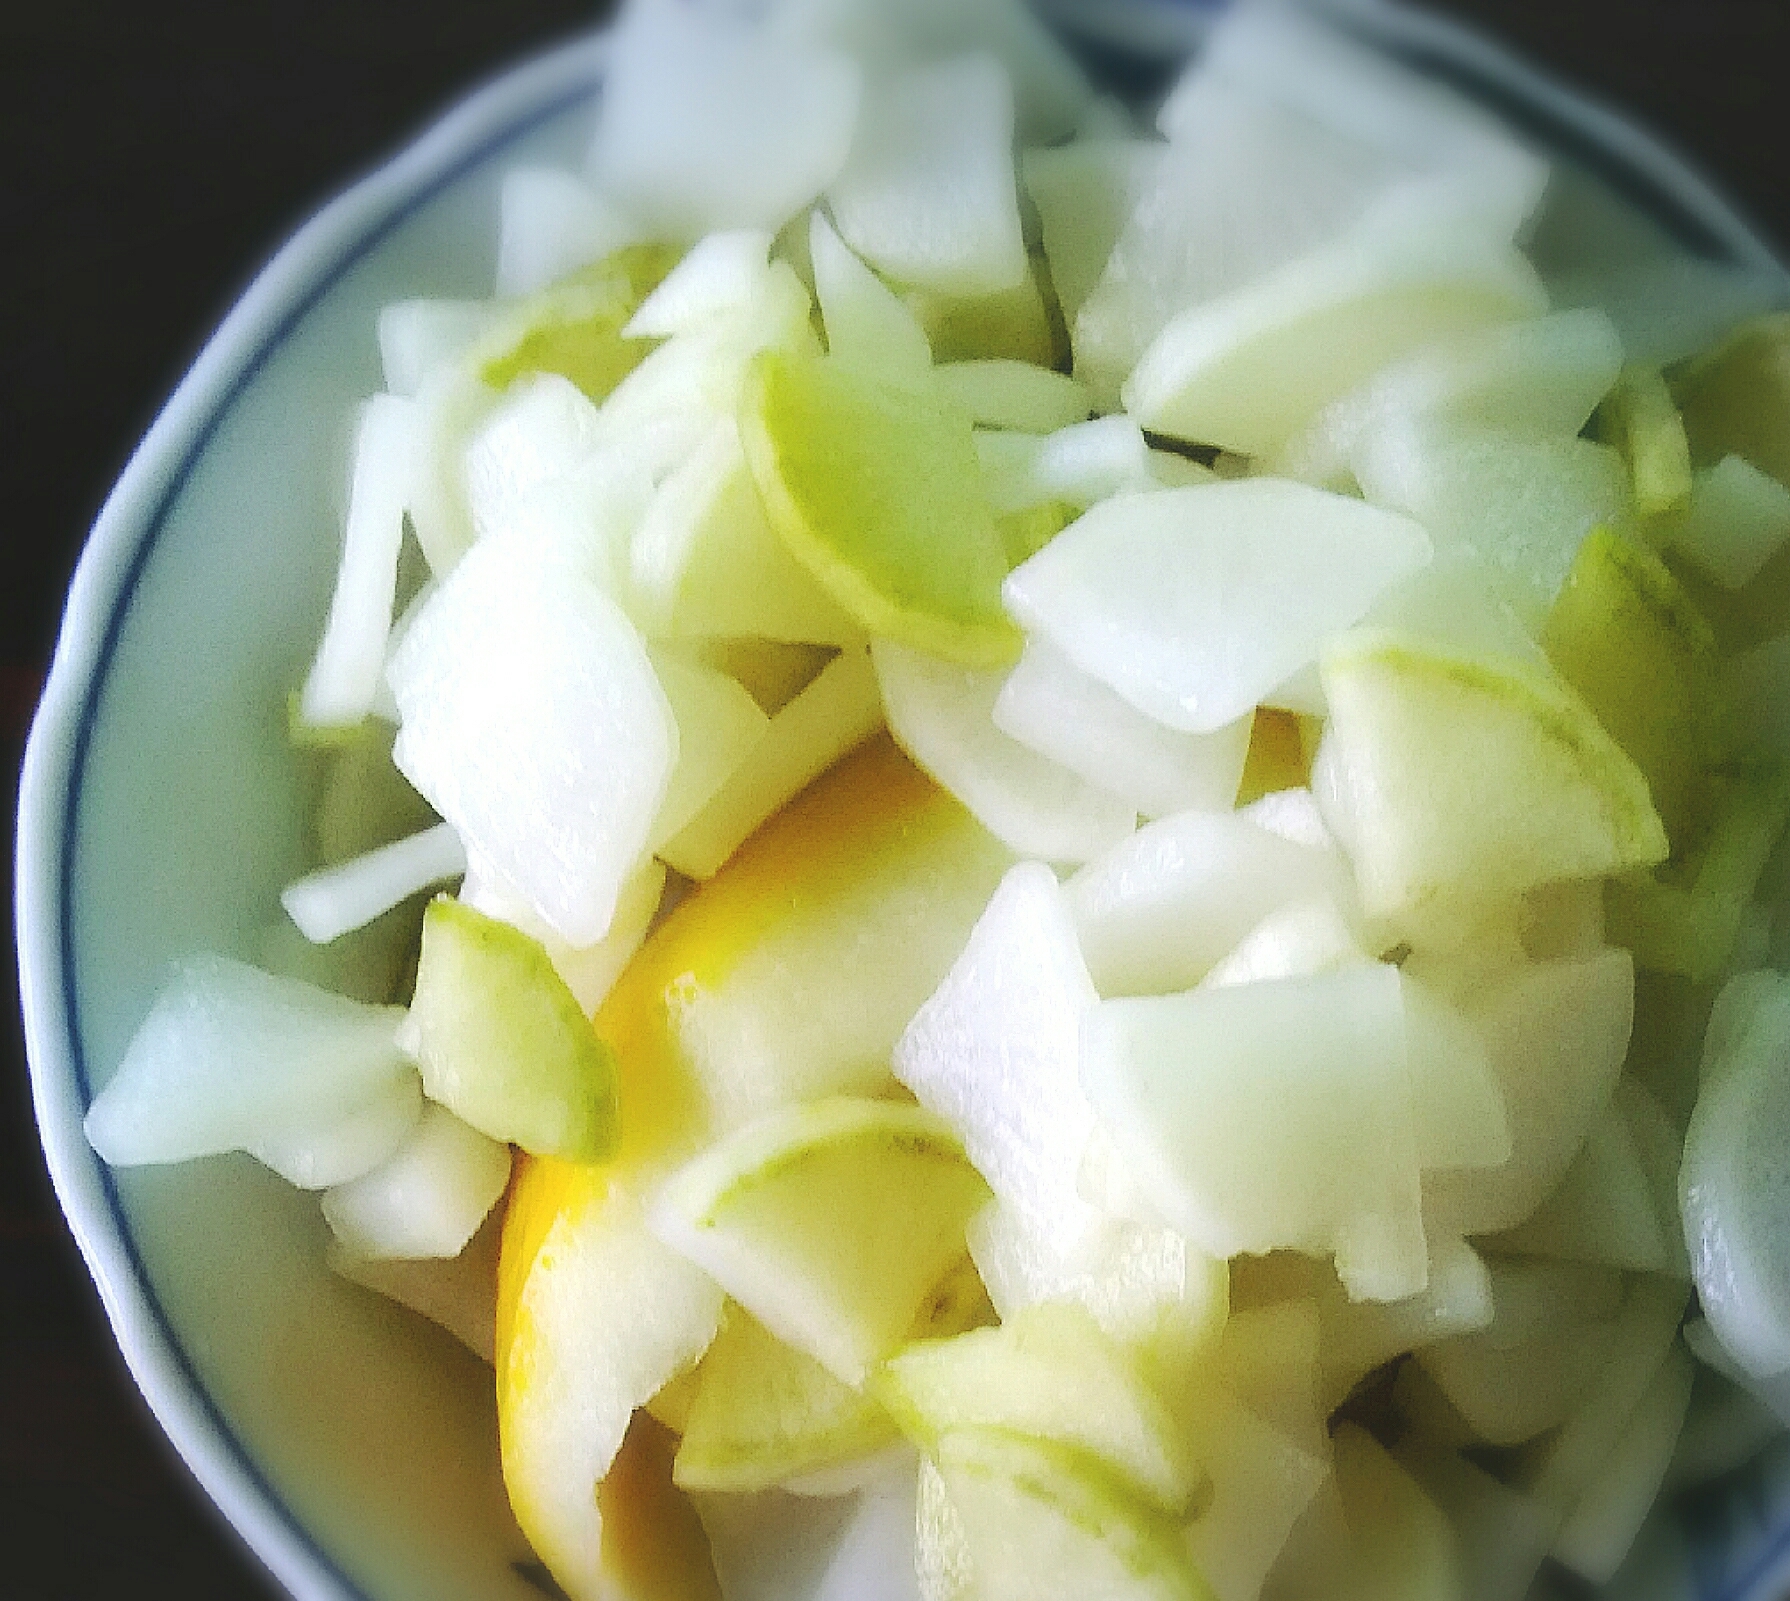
{"x": 867, "y": 323}
{"x": 533, "y": 722}
{"x": 1523, "y": 505}
{"x": 1251, "y": 369}
{"x": 349, "y": 1146}
{"x": 929, "y": 196}
{"x": 1538, "y": 379}
{"x": 834, "y": 714}
{"x": 1162, "y": 908}
{"x": 1051, "y": 706}
{"x": 718, "y": 725}
{"x": 419, "y": 337}
{"x": 1731, "y": 1187}
{"x": 1555, "y": 1034}
{"x": 1302, "y": 937}
{"x": 344, "y": 678}
{"x": 1084, "y": 191}
{"x": 551, "y": 223}
{"x": 1195, "y": 603}
{"x": 705, "y": 123}
{"x": 995, "y": 1050}
{"x": 1014, "y": 394}
{"x": 428, "y": 1198}
{"x": 229, "y": 1056}
{"x": 334, "y": 901}
{"x": 1737, "y": 521}
{"x": 543, "y": 428}
{"x": 721, "y": 272}
{"x": 942, "y": 715}
{"x": 1272, "y": 1116}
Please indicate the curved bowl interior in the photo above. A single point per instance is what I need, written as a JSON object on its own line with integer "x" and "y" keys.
{"x": 354, "y": 1446}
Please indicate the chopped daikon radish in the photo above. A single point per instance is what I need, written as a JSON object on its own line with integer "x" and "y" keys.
{"x": 428, "y": 1198}
{"x": 1050, "y": 705}
{"x": 543, "y": 428}
{"x": 834, "y": 714}
{"x": 1161, "y": 908}
{"x": 552, "y": 223}
{"x": 419, "y": 337}
{"x": 1555, "y": 1034}
{"x": 1731, "y": 1187}
{"x": 1015, "y": 394}
{"x": 229, "y": 1056}
{"x": 1602, "y": 1527}
{"x": 344, "y": 678}
{"x": 349, "y": 1146}
{"x": 533, "y": 722}
{"x": 1737, "y": 521}
{"x": 929, "y": 195}
{"x": 335, "y": 900}
{"x": 718, "y": 725}
{"x": 707, "y": 124}
{"x": 943, "y": 715}
{"x": 591, "y": 970}
{"x": 721, "y": 272}
{"x": 1249, "y": 370}
{"x": 866, "y": 321}
{"x": 1541, "y": 378}
{"x": 1084, "y": 191}
{"x": 1272, "y": 1116}
{"x": 994, "y": 1052}
{"x": 1522, "y": 505}
{"x": 1195, "y": 603}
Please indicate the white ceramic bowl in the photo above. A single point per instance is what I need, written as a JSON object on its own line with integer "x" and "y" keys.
{"x": 351, "y": 1445}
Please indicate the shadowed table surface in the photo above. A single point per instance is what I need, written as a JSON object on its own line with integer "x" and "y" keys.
{"x": 156, "y": 155}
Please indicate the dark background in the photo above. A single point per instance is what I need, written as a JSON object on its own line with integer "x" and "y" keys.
{"x": 151, "y": 157}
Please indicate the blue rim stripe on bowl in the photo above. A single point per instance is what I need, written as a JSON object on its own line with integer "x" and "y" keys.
{"x": 280, "y": 297}
{"x": 321, "y": 254}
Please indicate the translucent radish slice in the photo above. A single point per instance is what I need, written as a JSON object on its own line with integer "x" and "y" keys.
{"x": 1738, "y": 520}
{"x": 350, "y": 1146}
{"x": 718, "y": 726}
{"x": 994, "y": 1052}
{"x": 942, "y": 715}
{"x": 1537, "y": 379}
{"x": 722, "y": 272}
{"x": 866, "y": 321}
{"x": 1158, "y": 911}
{"x": 418, "y": 337}
{"x": 834, "y": 714}
{"x": 1195, "y": 603}
{"x": 875, "y": 1558}
{"x": 344, "y": 678}
{"x": 533, "y": 722}
{"x": 708, "y": 124}
{"x": 1734, "y": 1187}
{"x": 336, "y": 900}
{"x": 929, "y": 196}
{"x": 550, "y": 224}
{"x": 1080, "y": 464}
{"x": 1084, "y": 191}
{"x": 544, "y": 427}
{"x": 1272, "y": 1116}
{"x": 230, "y": 1056}
{"x": 428, "y": 1198}
{"x": 1051, "y": 706}
{"x": 1015, "y": 394}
